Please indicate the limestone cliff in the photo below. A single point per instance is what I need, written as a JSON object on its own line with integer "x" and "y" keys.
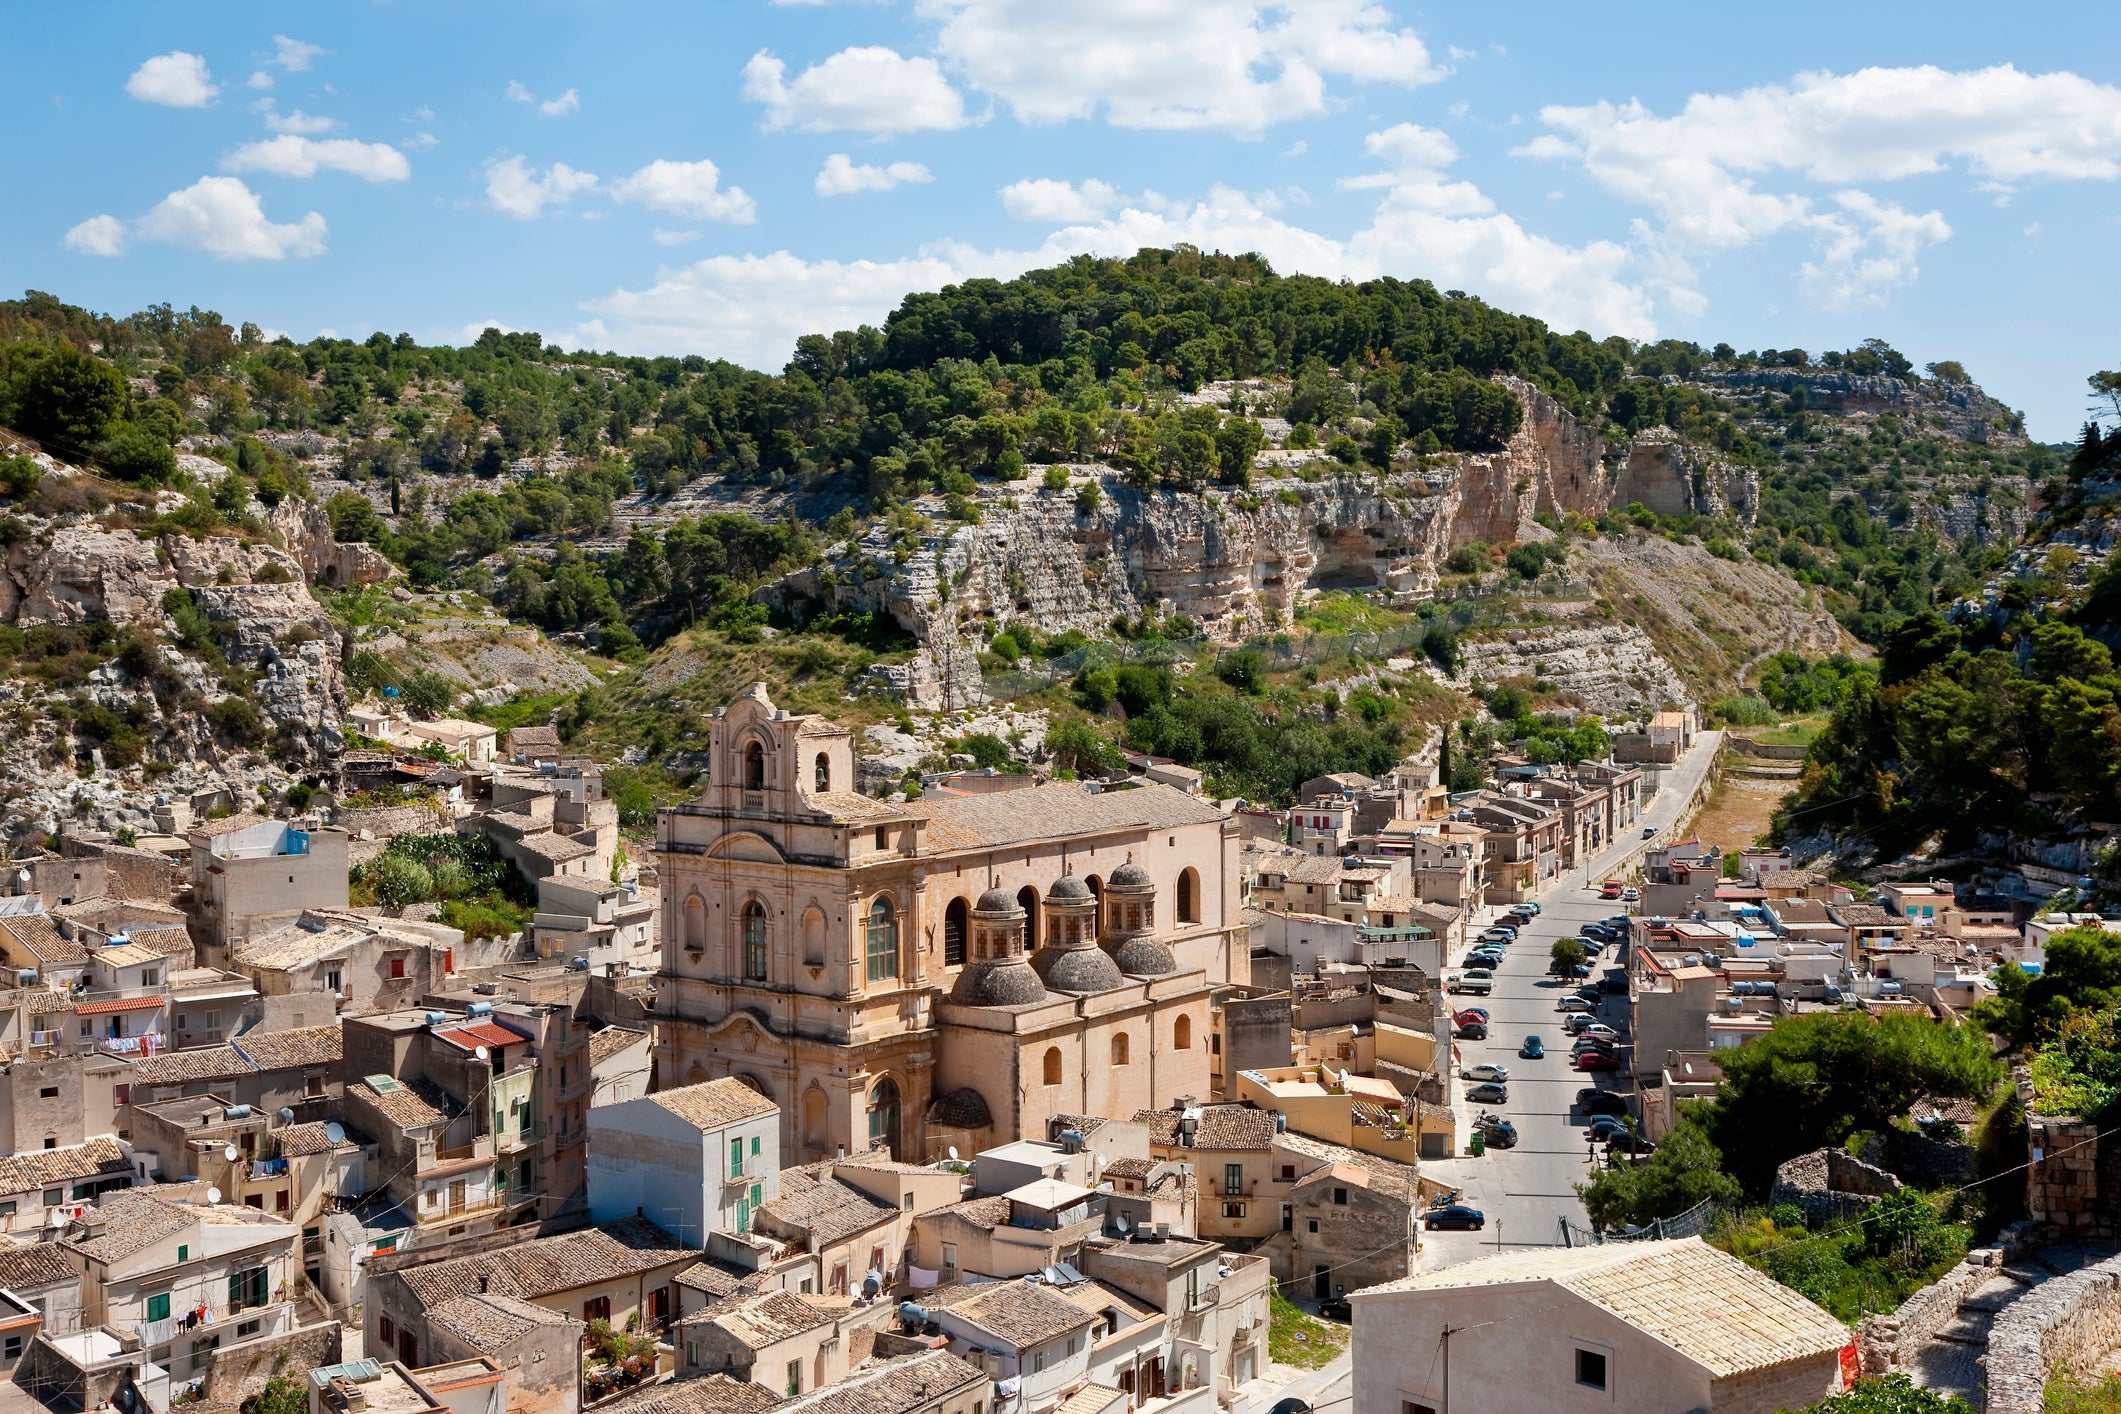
{"x": 1240, "y": 563}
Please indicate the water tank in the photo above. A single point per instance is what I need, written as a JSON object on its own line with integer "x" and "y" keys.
{"x": 298, "y": 841}
{"x": 236, "y": 1112}
{"x": 1888, "y": 989}
{"x": 479, "y": 1009}
{"x": 579, "y": 964}
{"x": 913, "y": 1313}
{"x": 1071, "y": 1141}
{"x": 437, "y": 1018}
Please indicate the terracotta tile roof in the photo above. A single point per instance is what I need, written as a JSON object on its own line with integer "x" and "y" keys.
{"x": 554, "y": 848}
{"x": 167, "y": 942}
{"x": 1064, "y": 808}
{"x": 117, "y": 1004}
{"x": 302, "y": 1140}
{"x": 1090, "y": 1399}
{"x": 717, "y": 1278}
{"x": 608, "y": 1042}
{"x": 1865, "y": 915}
{"x": 188, "y": 1067}
{"x": 125, "y": 955}
{"x": 711, "y": 1394}
{"x": 25, "y": 1266}
{"x": 286, "y": 1050}
{"x": 823, "y": 1207}
{"x": 470, "y": 1037}
{"x": 759, "y": 1321}
{"x": 711, "y": 1104}
{"x": 898, "y": 1386}
{"x": 989, "y": 1212}
{"x": 848, "y": 806}
{"x": 132, "y": 1219}
{"x": 1022, "y": 1313}
{"x": 543, "y": 741}
{"x": 413, "y": 1104}
{"x": 1221, "y": 1127}
{"x": 37, "y": 934}
{"x": 1128, "y": 1166}
{"x": 546, "y": 1266}
{"x": 227, "y": 825}
{"x": 491, "y": 1321}
{"x": 293, "y": 945}
{"x": 44, "y": 1002}
{"x": 1707, "y": 1305}
{"x": 1098, "y": 1297}
{"x": 48, "y": 1168}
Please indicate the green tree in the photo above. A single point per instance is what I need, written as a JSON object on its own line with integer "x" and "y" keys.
{"x": 1686, "y": 1169}
{"x": 63, "y": 397}
{"x": 1568, "y": 952}
{"x": 1077, "y": 746}
{"x": 135, "y": 455}
{"x": 281, "y": 1395}
{"x": 1893, "y": 1394}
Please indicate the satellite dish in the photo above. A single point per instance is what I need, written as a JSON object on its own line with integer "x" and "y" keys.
{"x": 287, "y": 1116}
{"x": 482, "y": 1053}
{"x": 1120, "y": 1222}
{"x": 953, "y": 1151}
{"x": 55, "y": 1217}
{"x": 213, "y": 1195}
{"x": 335, "y": 1132}
{"x": 229, "y": 1153}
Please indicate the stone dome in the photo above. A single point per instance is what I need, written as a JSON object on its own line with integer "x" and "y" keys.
{"x": 1143, "y": 956}
{"x": 1129, "y": 876}
{"x": 999, "y": 902}
{"x": 1068, "y": 889}
{"x": 1077, "y": 969}
{"x": 1010, "y": 982}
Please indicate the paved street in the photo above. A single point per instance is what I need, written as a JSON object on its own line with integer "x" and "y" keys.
{"x": 1525, "y": 1191}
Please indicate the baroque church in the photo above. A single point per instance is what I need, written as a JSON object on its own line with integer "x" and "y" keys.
{"x": 937, "y": 974}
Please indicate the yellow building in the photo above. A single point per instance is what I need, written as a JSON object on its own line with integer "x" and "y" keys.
{"x": 941, "y": 973}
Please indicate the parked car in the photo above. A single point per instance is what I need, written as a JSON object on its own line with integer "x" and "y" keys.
{"x": 1498, "y": 935}
{"x": 1600, "y": 1029}
{"x": 1474, "y": 984}
{"x": 1648, "y": 831}
{"x": 1604, "y": 1127}
{"x": 1574, "y": 1005}
{"x": 1533, "y": 1048}
{"x": 1485, "y": 1071}
{"x": 1528, "y": 906}
{"x": 1574, "y": 1023}
{"x": 1471, "y": 1013}
{"x": 1558, "y": 968}
{"x": 1592, "y": 946}
{"x": 1594, "y": 1101}
{"x": 1499, "y": 1132}
{"x": 1454, "y": 1216}
{"x": 1631, "y": 895}
{"x": 1599, "y": 931}
{"x": 1475, "y": 1031}
{"x": 1335, "y": 1309}
{"x": 1488, "y": 1094}
{"x": 1591, "y": 992}
{"x": 1597, "y": 1059}
{"x": 1619, "y": 921}
{"x": 1591, "y": 1043}
{"x": 1609, "y": 889}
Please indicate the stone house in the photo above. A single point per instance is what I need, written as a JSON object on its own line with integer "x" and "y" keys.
{"x": 44, "y": 1275}
{"x": 697, "y": 1159}
{"x": 52, "y": 1098}
{"x": 928, "y": 1382}
{"x": 1018, "y": 1331}
{"x": 339, "y": 963}
{"x": 1231, "y": 1149}
{"x": 295, "y": 1069}
{"x": 593, "y": 918}
{"x": 839, "y": 1221}
{"x": 248, "y": 872}
{"x": 36, "y": 1181}
{"x": 470, "y": 742}
{"x": 879, "y": 968}
{"x": 1216, "y": 1305}
{"x": 1634, "y": 1325}
{"x": 539, "y": 1349}
{"x": 534, "y": 745}
{"x": 791, "y": 1344}
{"x": 612, "y": 1272}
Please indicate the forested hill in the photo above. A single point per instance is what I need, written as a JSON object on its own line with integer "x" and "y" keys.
{"x": 1890, "y": 488}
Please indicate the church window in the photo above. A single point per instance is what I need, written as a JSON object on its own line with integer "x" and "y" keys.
{"x": 754, "y": 942}
{"x": 883, "y": 942}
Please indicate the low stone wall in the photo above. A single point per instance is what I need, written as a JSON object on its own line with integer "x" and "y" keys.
{"x": 1886, "y": 1342}
{"x": 2066, "y": 1324}
{"x": 1830, "y": 1185}
{"x": 386, "y": 821}
{"x": 1746, "y": 746}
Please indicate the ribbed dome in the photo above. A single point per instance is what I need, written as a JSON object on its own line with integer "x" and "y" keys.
{"x": 1143, "y": 956}
{"x": 1007, "y": 983}
{"x": 999, "y": 901}
{"x": 1068, "y": 889}
{"x": 1129, "y": 876}
{"x": 1078, "y": 969}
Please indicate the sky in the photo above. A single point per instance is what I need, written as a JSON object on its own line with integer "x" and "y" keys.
{"x": 720, "y": 178}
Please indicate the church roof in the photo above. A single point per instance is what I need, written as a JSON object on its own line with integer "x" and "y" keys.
{"x": 1052, "y": 811}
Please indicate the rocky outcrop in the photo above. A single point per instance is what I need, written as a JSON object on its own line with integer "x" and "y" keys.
{"x": 1613, "y": 670}
{"x": 286, "y": 639}
{"x": 1674, "y": 478}
{"x": 73, "y": 574}
{"x": 305, "y": 528}
{"x": 1830, "y": 1185}
{"x": 1961, "y": 410}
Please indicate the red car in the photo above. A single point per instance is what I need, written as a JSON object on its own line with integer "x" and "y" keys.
{"x": 1595, "y": 1059}
{"x": 1610, "y": 889}
{"x": 1471, "y": 1014}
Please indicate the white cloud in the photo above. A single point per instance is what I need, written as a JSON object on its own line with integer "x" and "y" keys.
{"x": 516, "y": 188}
{"x": 292, "y": 156}
{"x": 224, "y": 218}
{"x": 174, "y": 80}
{"x": 751, "y": 308}
{"x": 1709, "y": 172}
{"x": 663, "y": 237}
{"x": 293, "y": 55}
{"x": 568, "y": 102}
{"x": 1235, "y": 65}
{"x": 1047, "y": 199}
{"x": 687, "y": 189}
{"x": 98, "y": 235}
{"x": 295, "y": 122}
{"x": 843, "y": 176}
{"x": 419, "y": 142}
{"x": 868, "y": 89}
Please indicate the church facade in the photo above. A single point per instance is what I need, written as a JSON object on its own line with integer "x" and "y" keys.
{"x": 935, "y": 974}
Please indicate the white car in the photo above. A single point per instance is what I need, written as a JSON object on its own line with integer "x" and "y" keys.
{"x": 1576, "y": 1006}
{"x": 1600, "y": 1030}
{"x": 1631, "y": 895}
{"x": 1485, "y": 1072}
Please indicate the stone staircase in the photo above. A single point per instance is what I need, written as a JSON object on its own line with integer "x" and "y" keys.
{"x": 1952, "y": 1360}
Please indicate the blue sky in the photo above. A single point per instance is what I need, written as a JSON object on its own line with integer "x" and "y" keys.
{"x": 720, "y": 178}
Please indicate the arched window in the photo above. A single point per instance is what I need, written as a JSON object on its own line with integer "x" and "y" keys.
{"x": 883, "y": 1115}
{"x": 1027, "y": 900}
{"x": 695, "y": 924}
{"x": 824, "y": 771}
{"x": 1182, "y": 1034}
{"x": 1053, "y": 1065}
{"x": 883, "y": 941}
{"x": 1119, "y": 1048}
{"x": 1097, "y": 892}
{"x": 754, "y": 942}
{"x": 1188, "y": 896}
{"x": 754, "y": 767}
{"x": 813, "y": 937}
{"x": 954, "y": 918}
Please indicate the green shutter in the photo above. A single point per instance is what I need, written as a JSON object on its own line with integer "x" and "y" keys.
{"x": 743, "y": 1215}
{"x": 736, "y": 1158}
{"x": 754, "y": 1146}
{"x": 158, "y": 1307}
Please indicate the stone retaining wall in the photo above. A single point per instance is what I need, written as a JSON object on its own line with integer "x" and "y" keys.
{"x": 1888, "y": 1341}
{"x": 1746, "y": 746}
{"x": 386, "y": 821}
{"x": 1830, "y": 1185}
{"x": 2066, "y": 1324}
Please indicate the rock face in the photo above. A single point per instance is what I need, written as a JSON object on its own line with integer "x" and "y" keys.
{"x": 1614, "y": 669}
{"x": 283, "y": 635}
{"x": 1960, "y": 409}
{"x": 1240, "y": 564}
{"x": 326, "y": 560}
